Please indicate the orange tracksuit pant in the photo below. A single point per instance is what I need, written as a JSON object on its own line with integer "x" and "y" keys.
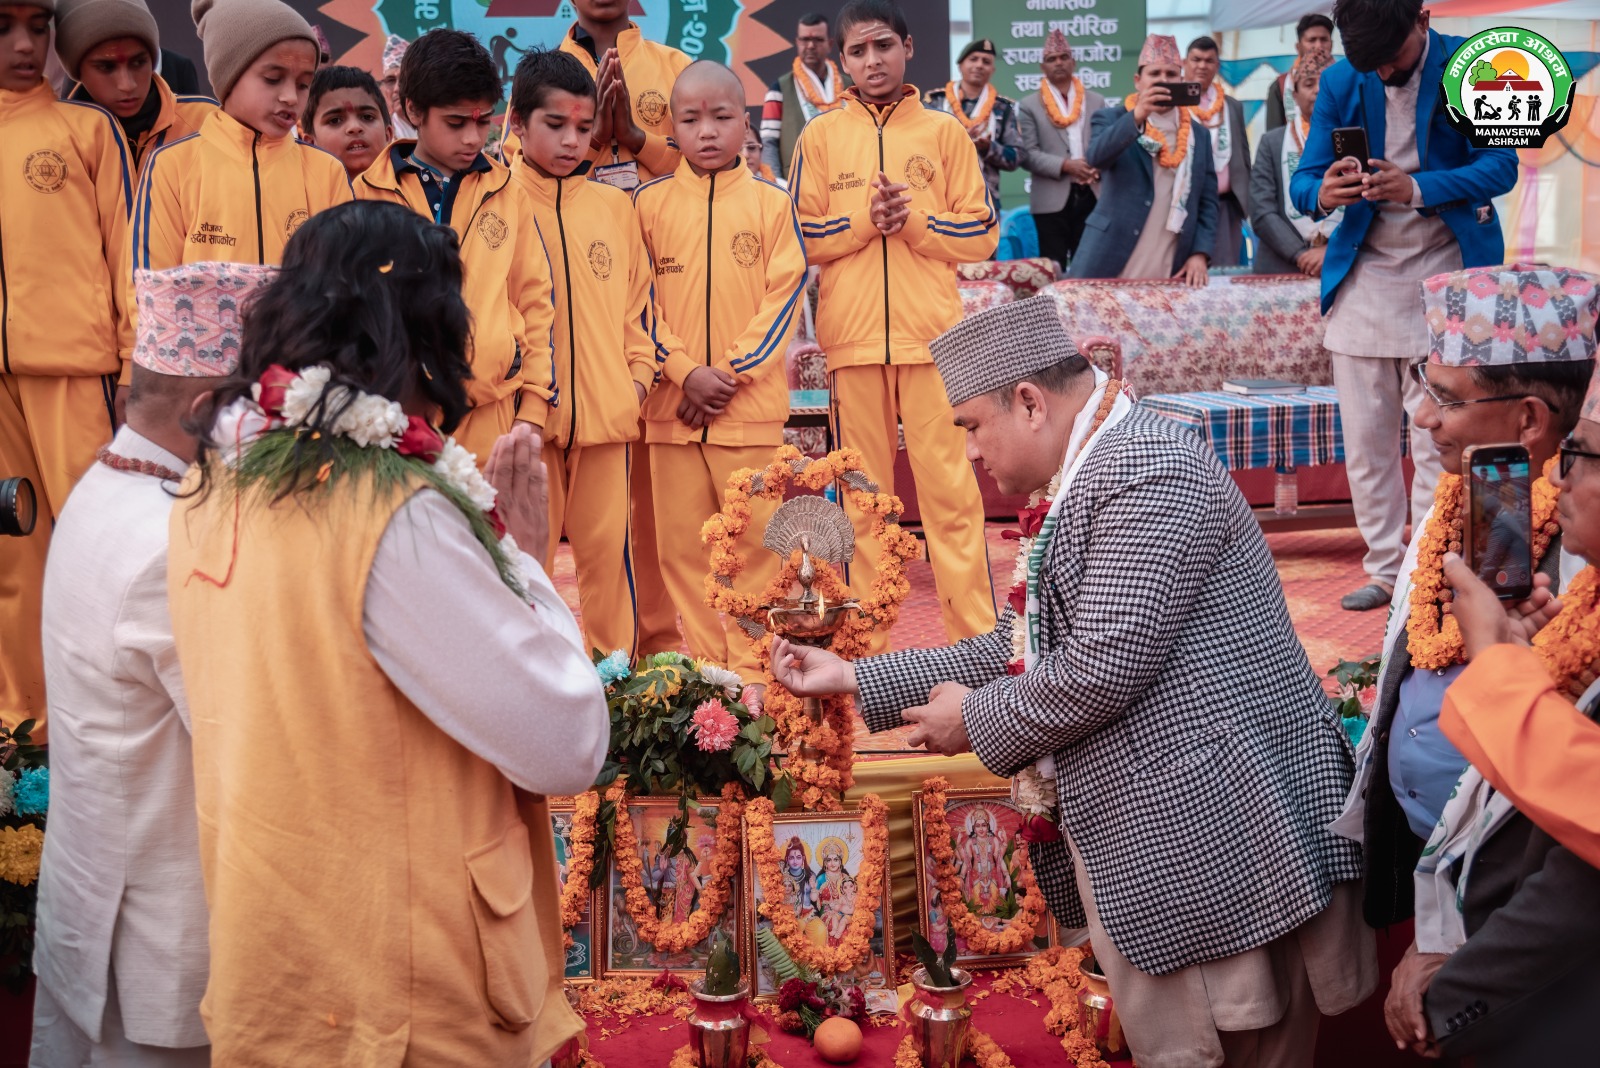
{"x": 589, "y": 501}
{"x": 867, "y": 401}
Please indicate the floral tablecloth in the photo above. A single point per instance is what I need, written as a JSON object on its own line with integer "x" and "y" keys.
{"x": 1023, "y": 277}
{"x": 1177, "y": 339}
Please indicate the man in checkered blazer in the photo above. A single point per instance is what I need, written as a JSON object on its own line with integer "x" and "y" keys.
{"x": 1197, "y": 762}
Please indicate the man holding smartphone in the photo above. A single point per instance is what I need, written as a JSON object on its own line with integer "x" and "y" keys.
{"x": 1523, "y": 386}
{"x": 1420, "y": 206}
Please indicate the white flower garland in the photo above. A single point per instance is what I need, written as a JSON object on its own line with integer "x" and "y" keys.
{"x": 1031, "y": 790}
{"x": 372, "y": 421}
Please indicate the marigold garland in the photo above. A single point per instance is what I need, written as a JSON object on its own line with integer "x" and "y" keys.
{"x": 1021, "y": 928}
{"x": 1058, "y": 120}
{"x": 714, "y": 895}
{"x": 806, "y": 88}
{"x": 980, "y": 114}
{"x": 1169, "y": 156}
{"x": 1206, "y": 114}
{"x": 819, "y": 781}
{"x": 764, "y": 852}
{"x": 1570, "y": 643}
{"x": 580, "y": 865}
{"x": 1433, "y": 637}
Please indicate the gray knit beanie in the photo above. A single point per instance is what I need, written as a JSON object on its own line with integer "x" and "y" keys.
{"x": 234, "y": 33}
{"x": 83, "y": 24}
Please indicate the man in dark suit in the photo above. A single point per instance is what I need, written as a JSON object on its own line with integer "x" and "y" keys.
{"x": 1157, "y": 212}
{"x": 1174, "y": 752}
{"x": 1426, "y": 208}
{"x": 1223, "y": 118}
{"x": 1287, "y": 239}
{"x": 1313, "y": 33}
{"x": 1054, "y": 124}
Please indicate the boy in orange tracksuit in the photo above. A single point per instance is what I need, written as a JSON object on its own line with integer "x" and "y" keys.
{"x": 448, "y": 90}
{"x": 891, "y": 198}
{"x": 730, "y": 273}
{"x": 110, "y": 48}
{"x": 65, "y": 183}
{"x": 237, "y": 190}
{"x": 605, "y": 355}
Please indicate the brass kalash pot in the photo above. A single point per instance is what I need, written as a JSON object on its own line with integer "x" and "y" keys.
{"x": 819, "y": 530}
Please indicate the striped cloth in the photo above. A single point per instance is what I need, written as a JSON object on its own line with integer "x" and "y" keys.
{"x": 1279, "y": 431}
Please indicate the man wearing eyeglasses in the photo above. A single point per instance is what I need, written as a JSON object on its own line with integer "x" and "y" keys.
{"x": 1511, "y": 350}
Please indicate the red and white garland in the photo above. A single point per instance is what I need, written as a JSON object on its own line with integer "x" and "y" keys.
{"x": 287, "y": 399}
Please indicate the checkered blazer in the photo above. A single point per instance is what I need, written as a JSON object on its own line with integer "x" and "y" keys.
{"x": 1198, "y": 761}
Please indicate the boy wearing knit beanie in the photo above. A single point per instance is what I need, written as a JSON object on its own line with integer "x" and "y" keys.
{"x": 236, "y": 191}
{"x": 64, "y": 199}
{"x": 109, "y": 47}
{"x": 448, "y": 91}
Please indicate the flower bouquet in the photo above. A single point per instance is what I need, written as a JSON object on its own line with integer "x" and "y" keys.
{"x": 805, "y": 998}
{"x": 24, "y": 799}
{"x": 1357, "y": 681}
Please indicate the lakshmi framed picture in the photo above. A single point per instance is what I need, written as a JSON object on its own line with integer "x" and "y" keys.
{"x": 820, "y": 866}
{"x": 675, "y": 886}
{"x": 580, "y": 955}
{"x": 984, "y": 824}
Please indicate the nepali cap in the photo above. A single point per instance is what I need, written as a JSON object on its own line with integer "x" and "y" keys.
{"x": 1512, "y": 313}
{"x": 1056, "y": 43}
{"x": 1160, "y": 48}
{"x": 191, "y": 318}
{"x": 394, "y": 50}
{"x": 997, "y": 347}
{"x": 1313, "y": 62}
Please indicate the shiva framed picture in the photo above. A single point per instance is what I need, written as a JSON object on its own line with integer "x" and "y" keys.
{"x": 821, "y": 863}
{"x": 580, "y": 954}
{"x": 676, "y": 887}
{"x": 984, "y": 826}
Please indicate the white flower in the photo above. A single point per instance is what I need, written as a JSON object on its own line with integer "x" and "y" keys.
{"x": 372, "y": 420}
{"x": 1035, "y": 795}
{"x": 303, "y": 393}
{"x": 521, "y": 563}
{"x": 460, "y": 468}
{"x": 730, "y": 681}
{"x": 6, "y": 782}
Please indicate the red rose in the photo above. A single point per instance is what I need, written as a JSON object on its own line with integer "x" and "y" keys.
{"x": 1016, "y": 667}
{"x": 420, "y": 440}
{"x": 274, "y": 384}
{"x": 495, "y": 520}
{"x": 1032, "y": 519}
{"x": 1017, "y": 598}
{"x": 1038, "y": 829}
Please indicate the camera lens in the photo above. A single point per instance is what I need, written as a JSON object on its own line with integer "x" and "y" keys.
{"x": 18, "y": 507}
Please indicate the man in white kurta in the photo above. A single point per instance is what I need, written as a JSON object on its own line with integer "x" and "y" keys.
{"x": 121, "y": 951}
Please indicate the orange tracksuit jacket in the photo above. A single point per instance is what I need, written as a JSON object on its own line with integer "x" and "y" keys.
{"x": 505, "y": 283}
{"x": 601, "y": 282}
{"x": 882, "y": 299}
{"x": 730, "y": 269}
{"x": 179, "y": 116}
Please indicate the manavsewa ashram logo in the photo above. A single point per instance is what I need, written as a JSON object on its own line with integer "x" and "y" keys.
{"x": 1508, "y": 88}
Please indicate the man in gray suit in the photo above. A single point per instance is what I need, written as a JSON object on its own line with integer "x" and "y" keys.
{"x": 1157, "y": 212}
{"x": 1223, "y": 118}
{"x": 1287, "y": 239}
{"x": 1175, "y": 755}
{"x": 1055, "y": 139}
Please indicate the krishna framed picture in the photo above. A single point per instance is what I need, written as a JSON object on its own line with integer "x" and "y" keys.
{"x": 977, "y": 832}
{"x": 830, "y": 871}
{"x": 644, "y": 938}
{"x": 581, "y": 953}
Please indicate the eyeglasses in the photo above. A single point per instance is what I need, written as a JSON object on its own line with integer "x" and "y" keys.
{"x": 1569, "y": 452}
{"x": 1420, "y": 373}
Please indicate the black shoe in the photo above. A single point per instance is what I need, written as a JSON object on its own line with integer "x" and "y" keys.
{"x": 1366, "y": 598}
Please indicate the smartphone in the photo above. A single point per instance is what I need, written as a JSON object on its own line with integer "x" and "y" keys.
{"x": 1184, "y": 94}
{"x": 1352, "y": 141}
{"x": 1498, "y": 528}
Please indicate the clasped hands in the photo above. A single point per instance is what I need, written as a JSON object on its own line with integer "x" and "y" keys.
{"x": 613, "y": 114}
{"x": 890, "y": 205}
{"x": 707, "y": 392}
{"x": 806, "y": 671}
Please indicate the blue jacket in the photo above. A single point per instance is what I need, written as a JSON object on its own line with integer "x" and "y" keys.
{"x": 1457, "y": 180}
{"x": 1127, "y": 185}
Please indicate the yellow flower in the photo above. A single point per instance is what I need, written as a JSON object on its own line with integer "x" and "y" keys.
{"x": 20, "y": 848}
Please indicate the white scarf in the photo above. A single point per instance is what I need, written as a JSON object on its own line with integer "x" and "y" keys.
{"x": 1221, "y": 133}
{"x": 1074, "y": 131}
{"x": 955, "y": 105}
{"x": 1291, "y": 106}
{"x": 1178, "y": 210}
{"x": 1294, "y": 146}
{"x": 1473, "y": 813}
{"x": 825, "y": 89}
{"x": 1079, "y": 444}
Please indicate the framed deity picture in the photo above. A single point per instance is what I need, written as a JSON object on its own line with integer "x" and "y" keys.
{"x": 580, "y": 955}
{"x": 820, "y": 867}
{"x": 673, "y": 885}
{"x": 983, "y": 834}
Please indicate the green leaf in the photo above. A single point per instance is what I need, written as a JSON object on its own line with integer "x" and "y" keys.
{"x": 782, "y": 792}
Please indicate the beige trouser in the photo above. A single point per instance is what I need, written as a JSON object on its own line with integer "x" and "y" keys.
{"x": 1376, "y": 393}
{"x": 60, "y": 1043}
